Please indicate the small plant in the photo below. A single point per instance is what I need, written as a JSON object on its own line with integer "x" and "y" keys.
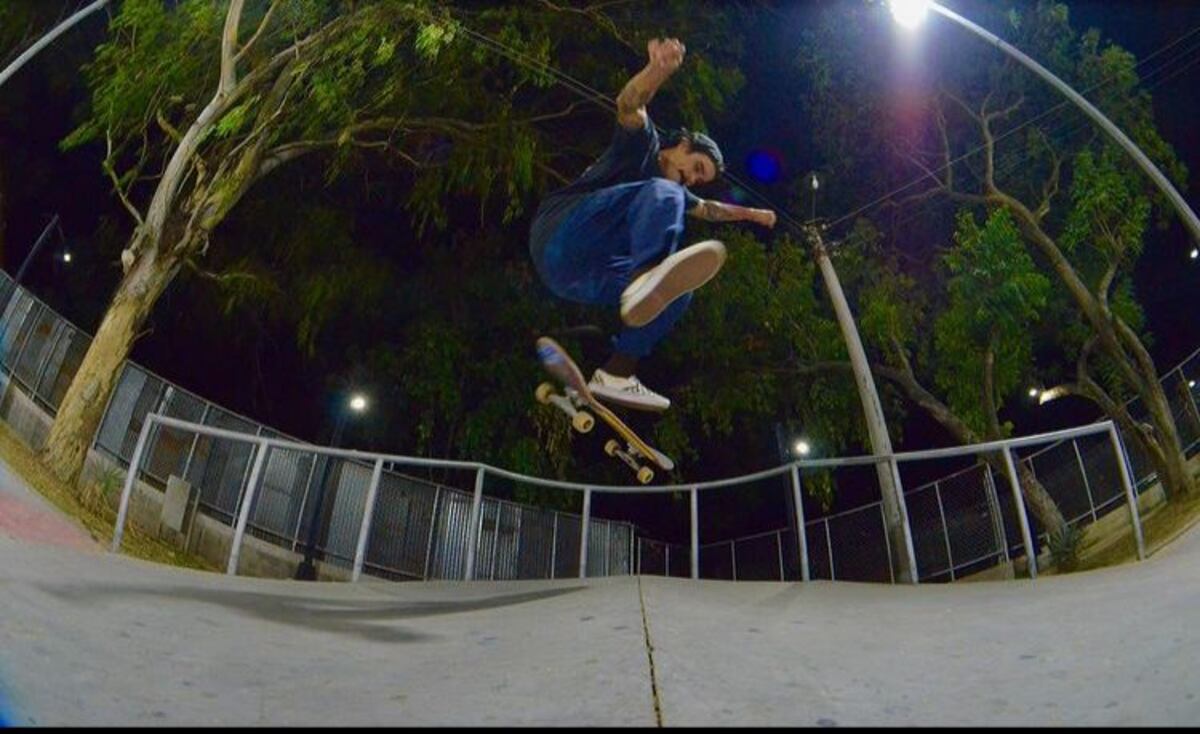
{"x": 97, "y": 496}
{"x": 1064, "y": 548}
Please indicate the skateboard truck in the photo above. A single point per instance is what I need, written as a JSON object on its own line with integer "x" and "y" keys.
{"x": 577, "y": 402}
{"x": 645, "y": 474}
{"x": 581, "y": 420}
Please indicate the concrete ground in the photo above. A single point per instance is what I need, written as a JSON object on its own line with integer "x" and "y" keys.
{"x": 89, "y": 638}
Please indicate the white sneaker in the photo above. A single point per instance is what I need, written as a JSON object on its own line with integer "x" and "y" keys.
{"x": 685, "y": 271}
{"x": 626, "y": 391}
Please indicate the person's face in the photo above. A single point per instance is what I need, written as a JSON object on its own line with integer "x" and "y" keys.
{"x": 681, "y": 165}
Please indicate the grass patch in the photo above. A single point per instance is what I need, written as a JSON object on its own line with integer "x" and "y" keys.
{"x": 91, "y": 507}
{"x": 1159, "y": 528}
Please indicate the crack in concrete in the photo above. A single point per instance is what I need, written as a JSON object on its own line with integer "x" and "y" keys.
{"x": 650, "y": 657}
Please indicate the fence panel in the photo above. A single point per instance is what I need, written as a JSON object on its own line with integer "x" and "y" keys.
{"x": 976, "y": 541}
{"x": 63, "y": 366}
{"x": 930, "y": 543}
{"x": 759, "y": 558}
{"x": 860, "y": 545}
{"x": 401, "y": 526}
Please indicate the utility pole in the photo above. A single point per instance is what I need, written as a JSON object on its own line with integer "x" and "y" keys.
{"x": 895, "y": 513}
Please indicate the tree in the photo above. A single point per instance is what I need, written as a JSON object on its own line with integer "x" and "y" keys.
{"x": 966, "y": 150}
{"x": 222, "y": 109}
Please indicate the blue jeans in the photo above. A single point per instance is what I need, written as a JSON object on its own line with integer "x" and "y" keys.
{"x": 608, "y": 236}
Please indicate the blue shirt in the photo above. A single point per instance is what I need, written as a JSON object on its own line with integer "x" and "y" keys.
{"x": 632, "y": 156}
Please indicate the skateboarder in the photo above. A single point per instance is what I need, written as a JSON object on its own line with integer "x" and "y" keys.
{"x": 611, "y": 237}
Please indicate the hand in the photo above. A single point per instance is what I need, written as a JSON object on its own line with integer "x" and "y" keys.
{"x": 666, "y": 55}
{"x": 765, "y": 217}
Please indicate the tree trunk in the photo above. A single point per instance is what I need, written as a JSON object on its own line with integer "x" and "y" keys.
{"x": 1044, "y": 508}
{"x": 83, "y": 405}
{"x": 1123, "y": 346}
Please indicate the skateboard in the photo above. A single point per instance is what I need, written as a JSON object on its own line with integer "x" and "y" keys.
{"x": 576, "y": 400}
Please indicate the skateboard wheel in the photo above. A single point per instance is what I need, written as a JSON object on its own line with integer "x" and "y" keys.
{"x": 645, "y": 475}
{"x": 611, "y": 447}
{"x": 544, "y": 391}
{"x": 583, "y": 422}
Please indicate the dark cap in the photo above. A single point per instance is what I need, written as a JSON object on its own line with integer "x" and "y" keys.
{"x": 701, "y": 143}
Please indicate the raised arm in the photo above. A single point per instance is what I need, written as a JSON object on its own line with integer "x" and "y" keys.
{"x": 665, "y": 58}
{"x": 716, "y": 211}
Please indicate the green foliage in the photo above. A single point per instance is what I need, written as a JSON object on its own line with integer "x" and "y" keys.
{"x": 995, "y": 295}
{"x": 1065, "y": 545}
{"x": 1109, "y": 209}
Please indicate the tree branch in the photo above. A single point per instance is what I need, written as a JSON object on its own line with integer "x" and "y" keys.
{"x": 228, "y": 46}
{"x": 121, "y": 193}
{"x": 261, "y": 27}
{"x": 1050, "y": 187}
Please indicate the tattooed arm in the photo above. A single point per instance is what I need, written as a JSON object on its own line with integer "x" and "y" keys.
{"x": 665, "y": 58}
{"x": 715, "y": 211}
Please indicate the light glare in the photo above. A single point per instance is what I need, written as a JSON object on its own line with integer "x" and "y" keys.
{"x": 358, "y": 403}
{"x": 802, "y": 448}
{"x": 909, "y": 13}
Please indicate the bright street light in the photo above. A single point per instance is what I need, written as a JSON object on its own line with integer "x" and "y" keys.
{"x": 1034, "y": 392}
{"x": 909, "y": 13}
{"x": 1195, "y": 253}
{"x": 66, "y": 257}
{"x": 358, "y": 403}
{"x": 802, "y": 448}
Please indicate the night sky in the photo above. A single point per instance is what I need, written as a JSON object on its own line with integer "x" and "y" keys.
{"x": 767, "y": 142}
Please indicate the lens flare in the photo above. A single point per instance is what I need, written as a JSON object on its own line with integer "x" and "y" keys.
{"x": 765, "y": 165}
{"x": 909, "y": 13}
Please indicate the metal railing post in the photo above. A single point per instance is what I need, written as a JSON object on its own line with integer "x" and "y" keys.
{"x": 127, "y": 491}
{"x": 829, "y": 548}
{"x": 945, "y": 529}
{"x": 584, "y": 533}
{"x": 1134, "y": 517}
{"x": 263, "y": 449}
{"x": 554, "y": 548}
{"x": 312, "y": 471}
{"x": 187, "y": 463}
{"x": 607, "y": 547}
{"x": 801, "y": 531}
{"x": 476, "y": 526}
{"x": 437, "y": 495}
{"x": 989, "y": 489}
{"x": 887, "y": 547}
{"x": 779, "y": 546}
{"x": 1087, "y": 485}
{"x": 695, "y": 534}
{"x": 909, "y": 550}
{"x": 1022, "y": 517}
{"x": 360, "y": 551}
{"x": 496, "y": 540}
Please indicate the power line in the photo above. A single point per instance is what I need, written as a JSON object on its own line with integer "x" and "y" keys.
{"x": 1056, "y": 108}
{"x": 782, "y": 213}
{"x": 1068, "y": 128}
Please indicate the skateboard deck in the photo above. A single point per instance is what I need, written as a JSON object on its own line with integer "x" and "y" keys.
{"x": 577, "y": 399}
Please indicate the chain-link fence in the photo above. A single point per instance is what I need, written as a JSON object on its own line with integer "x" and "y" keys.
{"x": 307, "y": 500}
{"x": 419, "y": 529}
